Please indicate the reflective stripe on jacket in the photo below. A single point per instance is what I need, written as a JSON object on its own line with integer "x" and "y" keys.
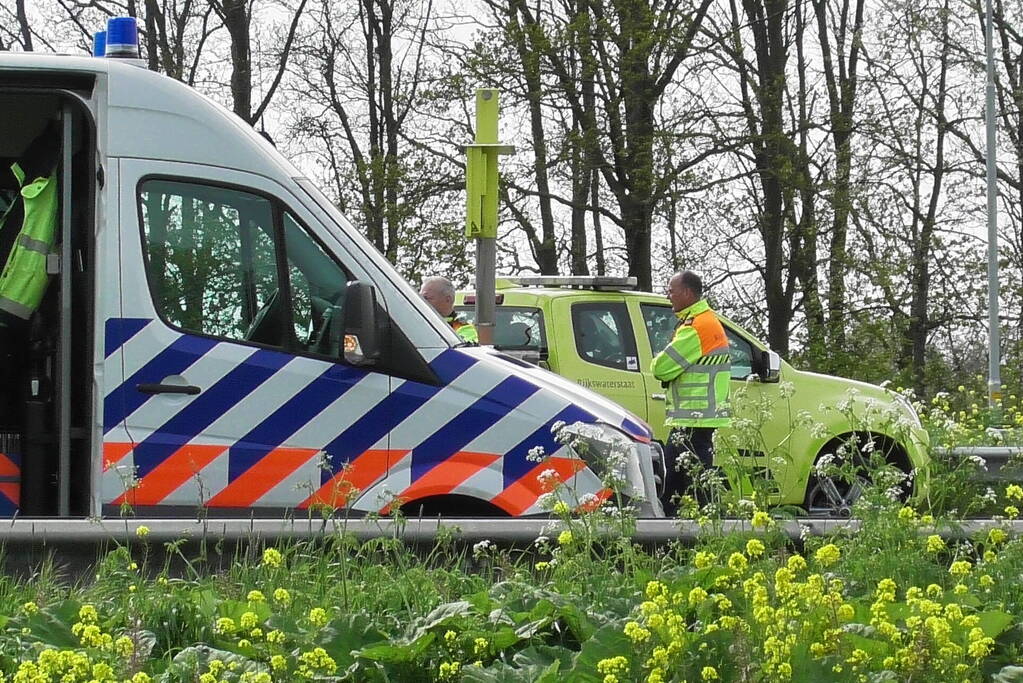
{"x": 697, "y": 367}
{"x": 467, "y": 331}
{"x": 24, "y": 279}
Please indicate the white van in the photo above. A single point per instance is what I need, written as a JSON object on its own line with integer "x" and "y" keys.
{"x": 216, "y": 334}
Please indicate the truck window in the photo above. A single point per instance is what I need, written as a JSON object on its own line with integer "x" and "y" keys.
{"x": 212, "y": 259}
{"x": 660, "y": 324}
{"x": 741, "y": 352}
{"x": 603, "y": 335}
{"x": 516, "y": 328}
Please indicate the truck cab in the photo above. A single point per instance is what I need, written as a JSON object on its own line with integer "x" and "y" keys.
{"x": 215, "y": 336}
{"x": 602, "y": 334}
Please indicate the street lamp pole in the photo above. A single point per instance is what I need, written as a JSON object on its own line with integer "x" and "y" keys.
{"x": 994, "y": 384}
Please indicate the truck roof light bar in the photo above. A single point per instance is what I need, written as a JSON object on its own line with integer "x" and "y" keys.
{"x": 574, "y": 281}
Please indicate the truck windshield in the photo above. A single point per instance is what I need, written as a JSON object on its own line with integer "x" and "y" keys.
{"x": 516, "y": 328}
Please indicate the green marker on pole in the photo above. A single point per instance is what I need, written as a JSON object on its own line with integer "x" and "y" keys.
{"x": 482, "y": 190}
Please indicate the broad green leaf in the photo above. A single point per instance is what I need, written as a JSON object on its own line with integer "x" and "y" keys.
{"x": 608, "y": 641}
{"x": 442, "y": 614}
{"x": 500, "y": 672}
{"x": 873, "y": 647}
{"x": 191, "y": 662}
{"x": 544, "y": 655}
{"x": 395, "y": 653}
{"x": 236, "y": 608}
{"x": 51, "y": 625}
{"x": 994, "y": 622}
{"x": 347, "y": 634}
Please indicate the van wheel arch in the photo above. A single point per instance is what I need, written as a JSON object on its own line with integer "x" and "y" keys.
{"x": 822, "y": 494}
{"x": 452, "y": 505}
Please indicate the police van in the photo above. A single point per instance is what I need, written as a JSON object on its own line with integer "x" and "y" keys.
{"x": 200, "y": 327}
{"x": 602, "y": 334}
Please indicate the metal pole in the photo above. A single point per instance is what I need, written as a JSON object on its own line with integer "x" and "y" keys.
{"x": 486, "y": 242}
{"x": 64, "y": 351}
{"x": 994, "y": 384}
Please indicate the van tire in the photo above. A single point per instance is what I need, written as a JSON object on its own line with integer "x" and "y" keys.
{"x": 833, "y": 496}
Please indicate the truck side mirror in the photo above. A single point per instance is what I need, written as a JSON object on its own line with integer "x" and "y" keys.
{"x": 768, "y": 366}
{"x": 361, "y": 332}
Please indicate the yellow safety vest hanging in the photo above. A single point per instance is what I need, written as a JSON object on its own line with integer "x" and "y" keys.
{"x": 24, "y": 279}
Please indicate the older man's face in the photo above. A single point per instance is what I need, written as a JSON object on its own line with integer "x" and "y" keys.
{"x": 443, "y": 304}
{"x": 679, "y": 295}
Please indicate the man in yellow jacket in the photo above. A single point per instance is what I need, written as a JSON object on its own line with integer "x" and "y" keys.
{"x": 695, "y": 369}
{"x": 440, "y": 293}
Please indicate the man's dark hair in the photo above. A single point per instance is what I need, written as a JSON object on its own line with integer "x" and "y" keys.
{"x": 692, "y": 282}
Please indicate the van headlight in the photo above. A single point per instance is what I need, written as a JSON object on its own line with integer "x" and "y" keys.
{"x": 621, "y": 463}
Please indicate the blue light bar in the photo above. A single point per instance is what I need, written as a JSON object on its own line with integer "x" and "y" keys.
{"x": 99, "y": 44}
{"x": 122, "y": 38}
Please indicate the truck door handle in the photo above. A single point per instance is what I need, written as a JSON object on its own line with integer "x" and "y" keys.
{"x": 657, "y": 397}
{"x": 189, "y": 389}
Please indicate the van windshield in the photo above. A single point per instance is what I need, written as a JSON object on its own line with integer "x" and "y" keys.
{"x": 516, "y": 328}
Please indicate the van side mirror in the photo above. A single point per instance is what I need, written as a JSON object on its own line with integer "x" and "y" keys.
{"x": 361, "y": 331}
{"x": 768, "y": 366}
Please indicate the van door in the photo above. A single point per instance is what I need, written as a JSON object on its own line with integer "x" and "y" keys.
{"x": 233, "y": 395}
{"x": 601, "y": 353}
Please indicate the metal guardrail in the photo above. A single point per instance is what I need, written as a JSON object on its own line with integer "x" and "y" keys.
{"x": 995, "y": 459}
{"x": 40, "y": 534}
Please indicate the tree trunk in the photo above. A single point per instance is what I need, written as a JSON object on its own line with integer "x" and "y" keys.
{"x": 235, "y": 15}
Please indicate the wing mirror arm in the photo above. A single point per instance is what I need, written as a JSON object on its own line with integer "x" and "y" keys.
{"x": 361, "y": 329}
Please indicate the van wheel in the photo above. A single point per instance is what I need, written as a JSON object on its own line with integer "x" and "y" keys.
{"x": 834, "y": 496}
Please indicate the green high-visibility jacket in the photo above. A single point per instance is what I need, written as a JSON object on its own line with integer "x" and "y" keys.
{"x": 24, "y": 279}
{"x": 696, "y": 366}
{"x": 465, "y": 330}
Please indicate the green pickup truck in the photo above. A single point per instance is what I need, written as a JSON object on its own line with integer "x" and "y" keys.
{"x": 601, "y": 333}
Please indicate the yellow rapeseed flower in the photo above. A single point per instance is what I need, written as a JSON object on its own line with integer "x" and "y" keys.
{"x": 704, "y": 559}
{"x": 754, "y": 547}
{"x": 761, "y": 520}
{"x": 737, "y": 562}
{"x": 282, "y": 596}
{"x": 960, "y": 568}
{"x": 565, "y": 538}
{"x": 709, "y": 673}
{"x": 142, "y": 531}
{"x": 318, "y": 617}
{"x": 255, "y": 596}
{"x": 827, "y": 555}
{"x": 1014, "y": 492}
{"x": 935, "y": 543}
{"x": 272, "y": 557}
{"x": 636, "y": 633}
{"x": 907, "y": 514}
{"x": 996, "y": 536}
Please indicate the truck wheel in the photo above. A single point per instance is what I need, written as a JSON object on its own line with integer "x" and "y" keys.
{"x": 834, "y": 496}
